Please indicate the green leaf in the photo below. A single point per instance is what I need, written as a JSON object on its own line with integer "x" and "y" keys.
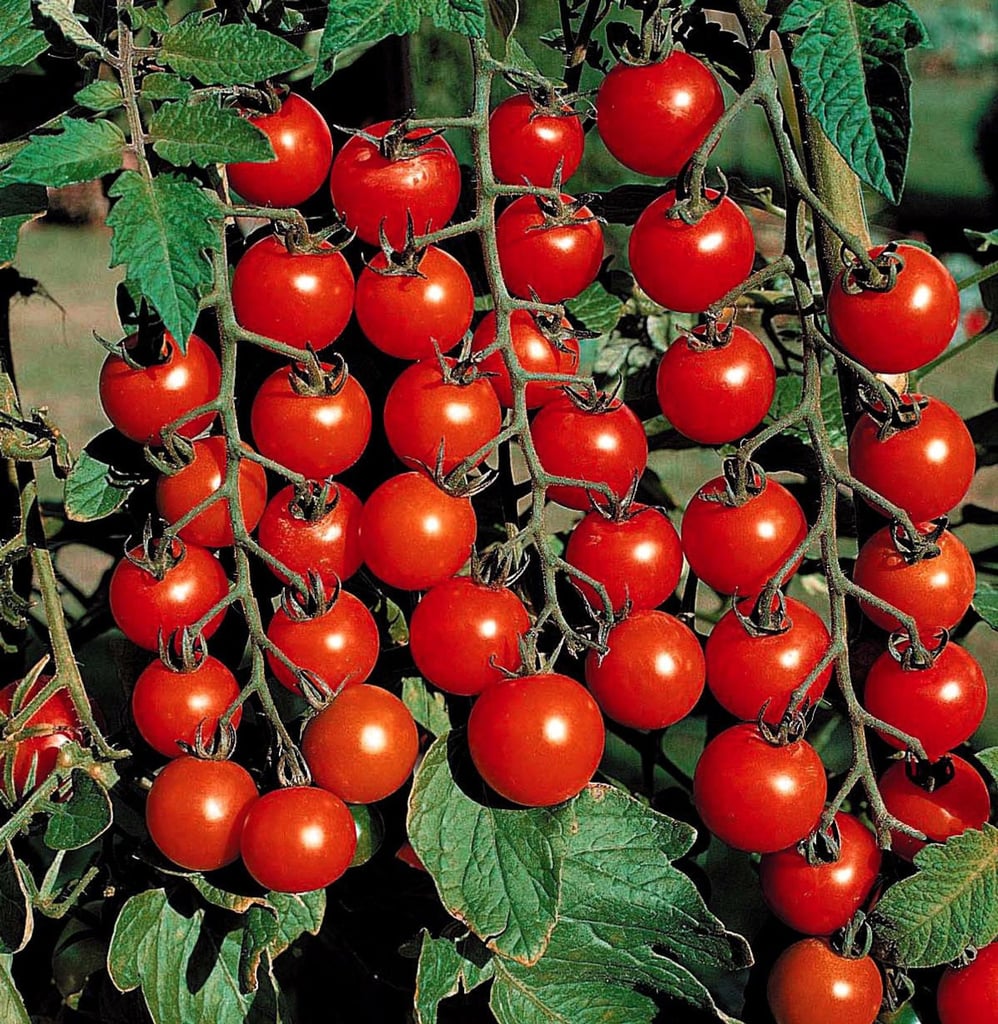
{"x": 154, "y": 17}
{"x": 272, "y": 927}
{"x": 84, "y": 150}
{"x": 12, "y": 1008}
{"x": 951, "y": 903}
{"x": 71, "y": 27}
{"x": 100, "y": 95}
{"x": 16, "y": 918}
{"x": 989, "y": 758}
{"x": 161, "y": 229}
{"x": 93, "y": 491}
{"x": 788, "y": 396}
{"x": 851, "y": 58}
{"x": 81, "y": 818}
{"x": 391, "y": 620}
{"x": 429, "y": 709}
{"x": 161, "y": 85}
{"x": 982, "y": 240}
{"x": 986, "y": 603}
{"x": 444, "y": 970}
{"x": 18, "y": 205}
{"x": 596, "y": 308}
{"x": 20, "y": 41}
{"x": 218, "y": 54}
{"x": 352, "y": 22}
{"x": 205, "y": 134}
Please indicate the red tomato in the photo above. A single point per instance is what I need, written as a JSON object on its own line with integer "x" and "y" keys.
{"x": 296, "y": 298}
{"x": 370, "y": 189}
{"x": 902, "y": 329}
{"x": 558, "y": 260}
{"x": 536, "y": 740}
{"x": 413, "y": 534}
{"x": 303, "y": 147}
{"x": 653, "y": 116}
{"x": 756, "y": 796}
{"x": 465, "y": 661}
{"x": 687, "y": 267}
{"x": 529, "y": 140}
{"x": 195, "y": 811}
{"x": 966, "y": 995}
{"x": 176, "y": 495}
{"x": 141, "y": 402}
{"x": 653, "y": 674}
{"x": 740, "y": 548}
{"x": 716, "y": 395}
{"x": 404, "y": 314}
{"x": 362, "y": 746}
{"x": 298, "y": 839}
{"x": 818, "y": 899}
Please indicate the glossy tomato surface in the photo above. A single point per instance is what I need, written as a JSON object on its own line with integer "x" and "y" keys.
{"x": 528, "y": 142}
{"x": 966, "y": 995}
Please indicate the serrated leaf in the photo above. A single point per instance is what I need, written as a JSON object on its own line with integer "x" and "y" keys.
{"x": 12, "y": 1008}
{"x": 391, "y": 620}
{"x": 596, "y": 308}
{"x": 92, "y": 490}
{"x": 272, "y": 927}
{"x": 205, "y": 134}
{"x": 989, "y": 758}
{"x": 986, "y": 603}
{"x": 949, "y": 904}
{"x": 20, "y": 41}
{"x": 788, "y": 395}
{"x": 81, "y": 818}
{"x": 851, "y": 59}
{"x": 16, "y": 917}
{"x": 154, "y": 17}
{"x": 218, "y": 54}
{"x": 429, "y": 709}
{"x": 71, "y": 27}
{"x": 100, "y": 95}
{"x": 18, "y": 205}
{"x": 161, "y": 85}
{"x": 162, "y": 227}
{"x": 352, "y": 22}
{"x": 444, "y": 970}
{"x": 82, "y": 151}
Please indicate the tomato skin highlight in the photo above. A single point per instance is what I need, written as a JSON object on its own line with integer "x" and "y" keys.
{"x": 527, "y": 143}
{"x": 967, "y": 995}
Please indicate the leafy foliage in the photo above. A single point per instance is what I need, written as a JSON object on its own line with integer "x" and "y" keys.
{"x": 205, "y": 134}
{"x": 20, "y": 41}
{"x": 82, "y": 151}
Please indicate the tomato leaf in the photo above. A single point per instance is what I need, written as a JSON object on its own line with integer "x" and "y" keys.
{"x": 18, "y": 205}
{"x": 61, "y": 12}
{"x": 596, "y": 309}
{"x": 989, "y": 758}
{"x": 851, "y": 59}
{"x": 982, "y": 240}
{"x": 100, "y": 95}
{"x": 17, "y": 921}
{"x": 986, "y": 603}
{"x": 204, "y": 134}
{"x": 272, "y": 926}
{"x": 429, "y": 709}
{"x": 82, "y": 151}
{"x": 161, "y": 85}
{"x": 20, "y": 41}
{"x": 81, "y": 818}
{"x": 12, "y": 1008}
{"x": 446, "y": 968}
{"x": 931, "y": 917}
{"x": 788, "y": 396}
{"x": 92, "y": 491}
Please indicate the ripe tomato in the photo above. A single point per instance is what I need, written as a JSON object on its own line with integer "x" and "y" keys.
{"x": 298, "y": 839}
{"x": 296, "y": 298}
{"x": 716, "y": 395}
{"x": 371, "y": 189}
{"x": 176, "y": 495}
{"x": 687, "y": 267}
{"x": 653, "y": 116}
{"x": 935, "y": 592}
{"x": 926, "y": 469}
{"x": 362, "y": 746}
{"x": 340, "y": 645}
{"x": 745, "y": 671}
{"x": 319, "y": 432}
{"x": 810, "y": 982}
{"x": 536, "y": 740}
{"x": 941, "y": 705}
{"x": 739, "y": 548}
{"x": 817, "y": 899}
{"x": 966, "y": 995}
{"x": 528, "y": 140}
{"x": 756, "y": 796}
{"x": 413, "y": 534}
{"x": 603, "y": 444}
{"x": 424, "y": 410}
{"x": 952, "y": 807}
{"x": 403, "y": 314}
{"x": 637, "y": 557}
{"x": 902, "y": 329}
{"x": 195, "y": 811}
{"x": 653, "y": 674}
{"x": 143, "y": 606}
{"x": 141, "y": 402}
{"x": 169, "y": 706}
{"x": 493, "y": 619}
{"x": 556, "y": 258}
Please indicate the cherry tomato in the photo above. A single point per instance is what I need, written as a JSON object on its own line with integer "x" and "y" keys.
{"x": 425, "y": 410}
{"x": 902, "y": 329}
{"x": 465, "y": 661}
{"x": 757, "y": 796}
{"x": 413, "y": 534}
{"x": 370, "y": 190}
{"x": 716, "y": 395}
{"x": 653, "y": 116}
{"x": 653, "y": 674}
{"x": 169, "y": 706}
{"x": 818, "y": 899}
{"x": 404, "y": 314}
{"x": 529, "y": 140}
{"x": 298, "y": 839}
{"x": 966, "y": 995}
{"x": 318, "y": 435}
{"x": 176, "y": 495}
{"x": 637, "y": 557}
{"x": 810, "y": 982}
{"x": 195, "y": 811}
{"x": 925, "y": 469}
{"x": 362, "y": 746}
{"x": 536, "y": 740}
{"x": 303, "y": 147}
{"x": 745, "y": 671}
{"x": 687, "y": 267}
{"x": 556, "y": 260}
{"x": 740, "y": 548}
{"x": 606, "y": 444}
{"x": 298, "y": 298}
{"x": 141, "y": 402}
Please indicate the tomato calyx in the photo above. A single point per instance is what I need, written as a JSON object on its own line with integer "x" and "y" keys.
{"x": 268, "y": 99}
{"x": 499, "y": 566}
{"x": 692, "y": 204}
{"x": 302, "y": 605}
{"x": 915, "y": 657}
{"x": 877, "y": 274}
{"x": 898, "y": 988}
{"x": 299, "y": 241}
{"x": 314, "y": 500}
{"x": 904, "y": 412}
{"x": 768, "y": 616}
{"x": 923, "y": 544}
{"x": 157, "y": 555}
{"x": 396, "y": 143}
{"x": 311, "y": 378}
{"x": 149, "y": 347}
{"x": 822, "y": 846}
{"x": 791, "y": 727}
{"x": 561, "y": 210}
{"x": 182, "y": 650}
{"x": 929, "y": 775}
{"x": 855, "y": 940}
{"x": 177, "y": 453}
{"x": 649, "y": 45}
{"x": 743, "y": 481}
